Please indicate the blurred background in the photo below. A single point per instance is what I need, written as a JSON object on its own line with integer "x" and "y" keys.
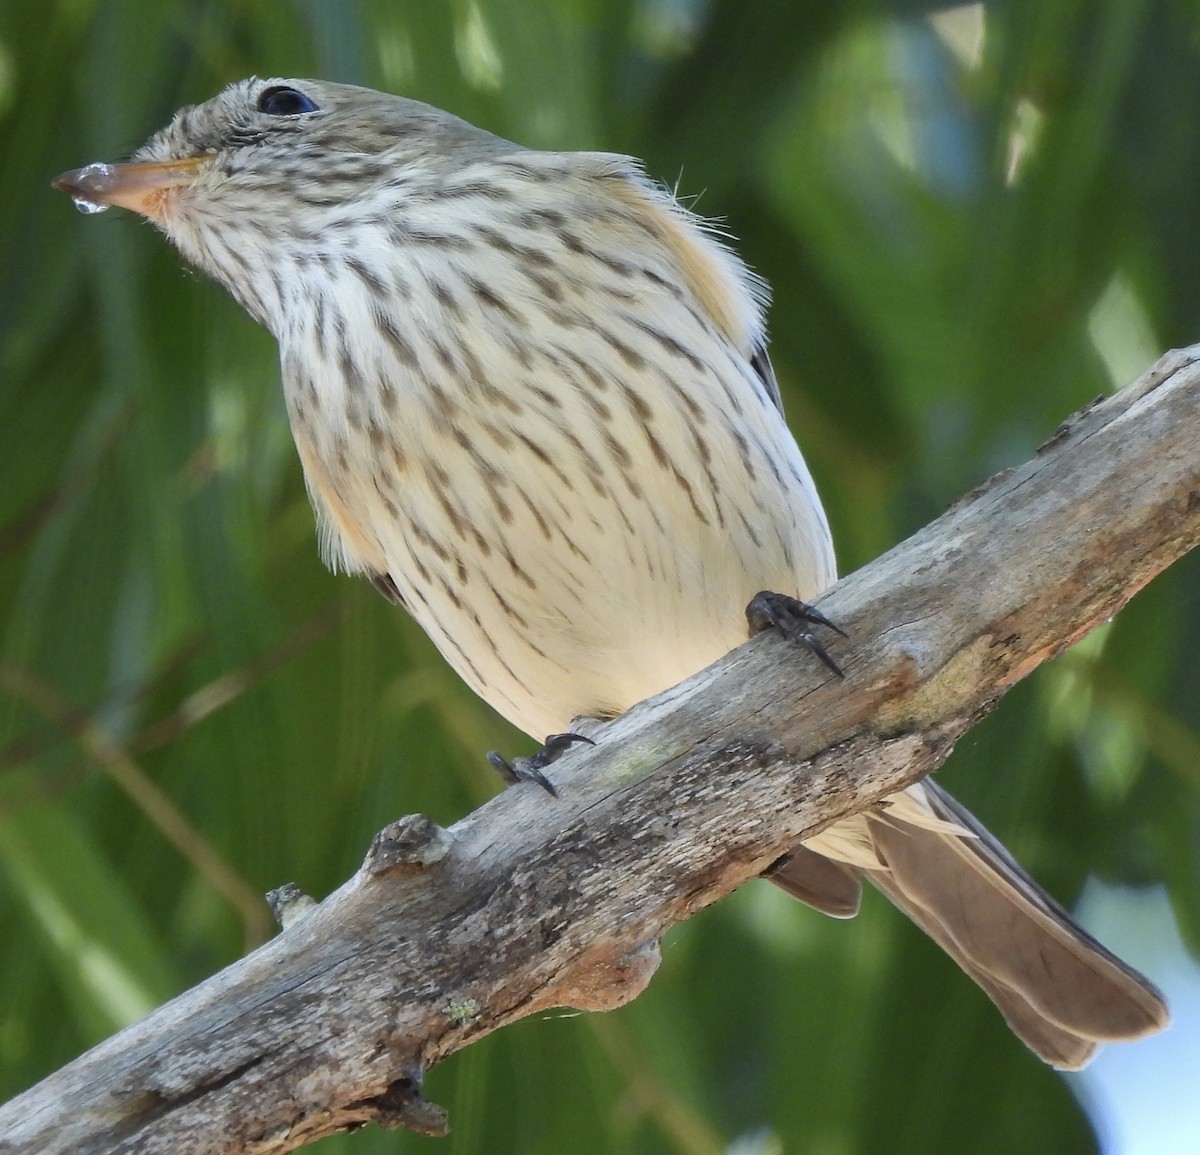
{"x": 975, "y": 218}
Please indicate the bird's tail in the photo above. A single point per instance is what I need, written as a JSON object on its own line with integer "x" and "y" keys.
{"x": 1059, "y": 989}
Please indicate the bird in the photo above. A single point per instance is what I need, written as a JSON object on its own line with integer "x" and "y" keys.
{"x": 531, "y": 396}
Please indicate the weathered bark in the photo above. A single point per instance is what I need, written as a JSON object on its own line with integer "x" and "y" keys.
{"x": 533, "y": 902}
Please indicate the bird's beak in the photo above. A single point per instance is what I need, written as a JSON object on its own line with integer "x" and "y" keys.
{"x": 141, "y": 188}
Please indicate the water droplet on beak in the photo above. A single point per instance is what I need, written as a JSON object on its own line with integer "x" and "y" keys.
{"x": 93, "y": 176}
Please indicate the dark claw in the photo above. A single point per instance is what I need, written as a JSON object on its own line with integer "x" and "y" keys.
{"x": 530, "y": 769}
{"x": 792, "y": 618}
{"x": 555, "y": 746}
{"x": 519, "y": 770}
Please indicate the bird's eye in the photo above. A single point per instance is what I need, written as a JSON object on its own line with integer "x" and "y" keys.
{"x": 282, "y": 101}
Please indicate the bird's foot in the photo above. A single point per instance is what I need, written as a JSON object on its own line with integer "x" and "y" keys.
{"x": 530, "y": 769}
{"x": 793, "y": 619}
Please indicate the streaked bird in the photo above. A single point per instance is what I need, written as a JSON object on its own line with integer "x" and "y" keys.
{"x": 531, "y": 396}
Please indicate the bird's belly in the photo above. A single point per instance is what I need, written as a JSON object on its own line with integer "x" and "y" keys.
{"x": 572, "y": 563}
{"x": 556, "y": 592}
{"x": 587, "y": 620}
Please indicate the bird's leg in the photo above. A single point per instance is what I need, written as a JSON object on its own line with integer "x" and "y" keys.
{"x": 530, "y": 769}
{"x": 793, "y": 619}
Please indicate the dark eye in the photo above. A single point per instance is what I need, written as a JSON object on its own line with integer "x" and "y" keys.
{"x": 284, "y": 102}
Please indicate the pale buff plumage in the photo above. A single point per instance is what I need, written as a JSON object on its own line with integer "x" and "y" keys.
{"x": 531, "y": 397}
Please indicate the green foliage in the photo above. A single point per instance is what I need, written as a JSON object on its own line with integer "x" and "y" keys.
{"x": 974, "y": 221}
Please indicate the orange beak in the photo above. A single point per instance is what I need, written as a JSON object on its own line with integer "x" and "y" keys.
{"x": 138, "y": 187}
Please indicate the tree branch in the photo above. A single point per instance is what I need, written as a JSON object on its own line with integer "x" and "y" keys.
{"x": 531, "y": 903}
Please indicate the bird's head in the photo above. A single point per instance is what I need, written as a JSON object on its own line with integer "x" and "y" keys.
{"x": 271, "y": 173}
